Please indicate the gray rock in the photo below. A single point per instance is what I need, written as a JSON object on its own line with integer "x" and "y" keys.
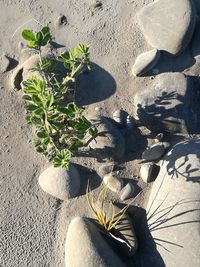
{"x": 145, "y": 62}
{"x": 105, "y": 169}
{"x": 127, "y": 192}
{"x": 146, "y": 172}
{"x": 166, "y": 145}
{"x": 154, "y": 152}
{"x": 168, "y": 25}
{"x": 113, "y": 183}
{"x": 170, "y": 103}
{"x": 120, "y": 117}
{"x": 159, "y": 137}
{"x": 174, "y": 206}
{"x": 59, "y": 182}
{"x": 109, "y": 142}
{"x": 22, "y": 72}
{"x": 86, "y": 247}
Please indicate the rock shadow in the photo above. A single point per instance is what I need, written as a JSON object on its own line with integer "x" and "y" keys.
{"x": 94, "y": 86}
{"x": 147, "y": 254}
{"x": 88, "y": 177}
{"x": 184, "y": 117}
{"x": 171, "y": 63}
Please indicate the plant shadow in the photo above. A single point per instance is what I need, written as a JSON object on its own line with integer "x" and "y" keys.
{"x": 162, "y": 115}
{"x": 147, "y": 254}
{"x": 94, "y": 86}
{"x": 184, "y": 169}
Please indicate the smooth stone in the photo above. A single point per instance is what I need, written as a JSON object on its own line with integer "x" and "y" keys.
{"x": 168, "y": 25}
{"x": 159, "y": 137}
{"x": 127, "y": 192}
{"x": 22, "y": 72}
{"x": 86, "y": 247}
{"x": 173, "y": 210}
{"x": 145, "y": 62}
{"x": 154, "y": 152}
{"x": 59, "y": 182}
{"x": 169, "y": 104}
{"x": 120, "y": 117}
{"x": 166, "y": 145}
{"x": 20, "y": 46}
{"x": 109, "y": 142}
{"x": 146, "y": 172}
{"x": 113, "y": 183}
{"x": 105, "y": 169}
{"x": 125, "y": 231}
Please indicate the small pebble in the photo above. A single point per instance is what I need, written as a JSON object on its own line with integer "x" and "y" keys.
{"x": 146, "y": 172}
{"x": 113, "y": 183}
{"x": 98, "y": 109}
{"x": 61, "y": 21}
{"x": 154, "y": 152}
{"x": 127, "y": 192}
{"x": 105, "y": 169}
{"x": 97, "y": 4}
{"x": 159, "y": 137}
{"x": 166, "y": 145}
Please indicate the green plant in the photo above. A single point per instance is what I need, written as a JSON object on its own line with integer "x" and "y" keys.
{"x": 108, "y": 221}
{"x": 60, "y": 124}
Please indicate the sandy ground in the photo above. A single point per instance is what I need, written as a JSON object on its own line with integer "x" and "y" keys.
{"x": 33, "y": 224}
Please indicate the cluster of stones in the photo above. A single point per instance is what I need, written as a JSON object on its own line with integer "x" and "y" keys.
{"x": 170, "y": 104}
{"x": 167, "y": 26}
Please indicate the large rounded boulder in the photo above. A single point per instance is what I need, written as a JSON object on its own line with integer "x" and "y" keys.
{"x": 86, "y": 247}
{"x": 60, "y": 182}
{"x": 173, "y": 210}
{"x": 168, "y": 24}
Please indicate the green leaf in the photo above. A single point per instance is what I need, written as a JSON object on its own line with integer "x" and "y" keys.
{"x": 91, "y": 132}
{"x": 36, "y": 121}
{"x": 42, "y": 134}
{"x": 30, "y": 90}
{"x": 53, "y": 117}
{"x": 32, "y": 44}
{"x": 51, "y": 100}
{"x": 38, "y": 111}
{"x": 39, "y": 37}
{"x": 45, "y": 140}
{"x": 26, "y": 97}
{"x": 28, "y": 119}
{"x": 37, "y": 100}
{"x": 28, "y": 35}
{"x": 30, "y": 107}
{"x": 45, "y": 30}
{"x": 40, "y": 149}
